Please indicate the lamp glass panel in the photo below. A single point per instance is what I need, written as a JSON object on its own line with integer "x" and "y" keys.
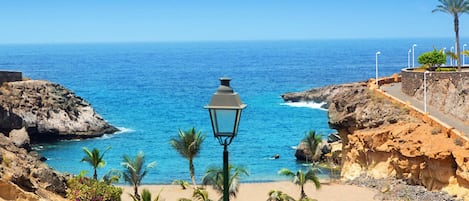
{"x": 225, "y": 121}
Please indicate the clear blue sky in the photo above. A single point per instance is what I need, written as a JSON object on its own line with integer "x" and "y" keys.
{"x": 58, "y": 21}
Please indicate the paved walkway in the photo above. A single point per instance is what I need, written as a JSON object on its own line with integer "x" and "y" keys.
{"x": 395, "y": 90}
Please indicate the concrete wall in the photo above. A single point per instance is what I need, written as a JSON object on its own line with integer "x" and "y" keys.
{"x": 10, "y": 76}
{"x": 412, "y": 79}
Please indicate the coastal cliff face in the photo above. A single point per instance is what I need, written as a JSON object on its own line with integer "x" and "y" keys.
{"x": 25, "y": 177}
{"x": 383, "y": 140}
{"x": 48, "y": 111}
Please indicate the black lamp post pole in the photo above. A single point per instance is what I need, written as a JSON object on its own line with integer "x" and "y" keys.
{"x": 226, "y": 174}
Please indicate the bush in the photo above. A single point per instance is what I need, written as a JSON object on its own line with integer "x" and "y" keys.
{"x": 84, "y": 188}
{"x": 433, "y": 58}
{"x": 441, "y": 69}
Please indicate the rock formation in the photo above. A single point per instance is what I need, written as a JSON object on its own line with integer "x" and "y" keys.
{"x": 383, "y": 140}
{"x": 48, "y": 111}
{"x": 24, "y": 177}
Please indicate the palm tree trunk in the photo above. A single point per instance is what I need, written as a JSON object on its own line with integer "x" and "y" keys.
{"x": 95, "y": 175}
{"x": 192, "y": 172}
{"x": 456, "y": 30}
{"x": 303, "y": 194}
{"x": 136, "y": 192}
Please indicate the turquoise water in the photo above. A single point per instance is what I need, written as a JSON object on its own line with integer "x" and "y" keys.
{"x": 149, "y": 90}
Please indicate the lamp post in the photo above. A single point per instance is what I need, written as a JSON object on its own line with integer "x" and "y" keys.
{"x": 408, "y": 58}
{"x": 377, "y": 84}
{"x": 444, "y": 53}
{"x": 425, "y": 91}
{"x": 464, "y": 56}
{"x": 413, "y": 55}
{"x": 225, "y": 109}
{"x": 451, "y": 56}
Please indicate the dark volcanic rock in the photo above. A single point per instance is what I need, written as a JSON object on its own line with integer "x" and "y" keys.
{"x": 48, "y": 111}
{"x": 319, "y": 95}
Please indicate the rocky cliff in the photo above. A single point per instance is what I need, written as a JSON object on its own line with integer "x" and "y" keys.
{"x": 24, "y": 177}
{"x": 48, "y": 111}
{"x": 382, "y": 140}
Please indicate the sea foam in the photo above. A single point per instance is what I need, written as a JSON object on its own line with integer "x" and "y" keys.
{"x": 312, "y": 105}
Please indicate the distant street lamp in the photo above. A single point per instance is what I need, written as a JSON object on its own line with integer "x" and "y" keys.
{"x": 377, "y": 84}
{"x": 408, "y": 58}
{"x": 413, "y": 55}
{"x": 425, "y": 91}
{"x": 451, "y": 56}
{"x": 444, "y": 53}
{"x": 464, "y": 56}
{"x": 225, "y": 113}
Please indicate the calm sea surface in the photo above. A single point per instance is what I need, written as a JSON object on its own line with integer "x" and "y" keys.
{"x": 150, "y": 90}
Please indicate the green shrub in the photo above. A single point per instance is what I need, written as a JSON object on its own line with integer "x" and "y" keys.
{"x": 84, "y": 188}
{"x": 442, "y": 69}
{"x": 433, "y": 58}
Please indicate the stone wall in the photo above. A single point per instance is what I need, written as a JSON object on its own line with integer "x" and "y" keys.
{"x": 412, "y": 78}
{"x": 10, "y": 76}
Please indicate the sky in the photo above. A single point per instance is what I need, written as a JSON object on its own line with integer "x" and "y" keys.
{"x": 84, "y": 21}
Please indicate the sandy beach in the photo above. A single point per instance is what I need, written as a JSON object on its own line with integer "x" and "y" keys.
{"x": 259, "y": 192}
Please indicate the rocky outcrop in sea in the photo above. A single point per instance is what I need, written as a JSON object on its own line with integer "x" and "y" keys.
{"x": 48, "y": 112}
{"x": 383, "y": 140}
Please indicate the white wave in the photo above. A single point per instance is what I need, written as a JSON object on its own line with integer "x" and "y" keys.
{"x": 293, "y": 147}
{"x": 312, "y": 105}
{"x": 124, "y": 130}
{"x": 121, "y": 131}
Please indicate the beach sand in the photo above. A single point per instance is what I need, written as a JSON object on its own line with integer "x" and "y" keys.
{"x": 259, "y": 192}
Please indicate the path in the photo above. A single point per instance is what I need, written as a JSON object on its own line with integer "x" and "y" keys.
{"x": 395, "y": 90}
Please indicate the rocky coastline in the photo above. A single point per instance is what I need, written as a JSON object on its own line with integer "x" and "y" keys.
{"x": 48, "y": 112}
{"x": 35, "y": 111}
{"x": 382, "y": 140}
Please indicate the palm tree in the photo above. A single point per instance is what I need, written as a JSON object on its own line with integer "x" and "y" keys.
{"x": 146, "y": 196}
{"x": 300, "y": 178}
{"x": 312, "y": 141}
{"x": 197, "y": 195}
{"x": 214, "y": 176}
{"x": 95, "y": 159}
{"x": 135, "y": 171}
{"x": 188, "y": 145}
{"x": 454, "y": 8}
{"x": 275, "y": 195}
{"x": 200, "y": 195}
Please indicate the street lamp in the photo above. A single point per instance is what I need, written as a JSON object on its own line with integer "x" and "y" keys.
{"x": 408, "y": 58}
{"x": 464, "y": 56}
{"x": 451, "y": 56}
{"x": 377, "y": 84}
{"x": 425, "y": 91}
{"x": 413, "y": 55}
{"x": 225, "y": 112}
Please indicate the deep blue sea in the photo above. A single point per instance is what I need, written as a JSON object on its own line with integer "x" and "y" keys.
{"x": 150, "y": 90}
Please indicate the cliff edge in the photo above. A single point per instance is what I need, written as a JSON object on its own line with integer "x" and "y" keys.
{"x": 48, "y": 112}
{"x": 381, "y": 139}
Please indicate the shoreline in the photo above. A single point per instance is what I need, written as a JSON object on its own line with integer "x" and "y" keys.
{"x": 259, "y": 191}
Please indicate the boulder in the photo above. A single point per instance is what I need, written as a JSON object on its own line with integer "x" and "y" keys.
{"x": 302, "y": 153}
{"x": 51, "y": 180}
{"x": 20, "y": 138}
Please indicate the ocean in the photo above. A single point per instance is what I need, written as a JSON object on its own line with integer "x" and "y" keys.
{"x": 150, "y": 90}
